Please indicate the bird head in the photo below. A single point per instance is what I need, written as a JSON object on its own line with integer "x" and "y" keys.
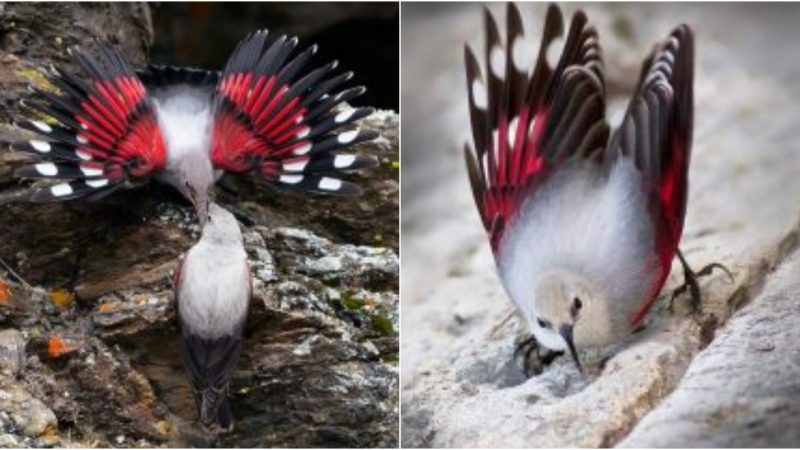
{"x": 221, "y": 226}
{"x": 560, "y": 303}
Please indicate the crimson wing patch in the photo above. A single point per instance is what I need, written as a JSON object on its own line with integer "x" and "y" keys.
{"x": 656, "y": 132}
{"x": 103, "y": 132}
{"x": 526, "y": 121}
{"x": 283, "y": 123}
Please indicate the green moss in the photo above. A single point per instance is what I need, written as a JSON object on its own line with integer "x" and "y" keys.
{"x": 352, "y": 302}
{"x": 383, "y": 325}
{"x": 392, "y": 358}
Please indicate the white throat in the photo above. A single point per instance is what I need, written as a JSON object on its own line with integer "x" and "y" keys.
{"x": 185, "y": 116}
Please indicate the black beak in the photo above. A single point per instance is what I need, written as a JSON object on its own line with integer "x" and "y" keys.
{"x": 566, "y": 333}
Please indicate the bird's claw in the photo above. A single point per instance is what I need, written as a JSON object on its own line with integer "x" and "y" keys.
{"x": 710, "y": 268}
{"x": 533, "y": 360}
{"x": 690, "y": 283}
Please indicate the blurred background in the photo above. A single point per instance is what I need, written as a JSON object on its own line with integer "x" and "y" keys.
{"x": 364, "y": 37}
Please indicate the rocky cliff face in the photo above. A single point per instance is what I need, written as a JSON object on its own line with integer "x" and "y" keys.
{"x": 89, "y": 345}
{"x": 723, "y": 377}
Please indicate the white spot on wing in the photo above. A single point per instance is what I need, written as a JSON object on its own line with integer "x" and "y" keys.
{"x": 497, "y": 61}
{"x": 42, "y": 126}
{"x": 81, "y": 140}
{"x": 343, "y": 161}
{"x": 60, "y": 190}
{"x": 330, "y": 184}
{"x": 291, "y": 179}
{"x": 83, "y": 155}
{"x": 303, "y": 149}
{"x": 479, "y": 94}
{"x": 521, "y": 53}
{"x": 303, "y": 133}
{"x": 47, "y": 169}
{"x": 344, "y": 115}
{"x": 97, "y": 183}
{"x": 512, "y": 131}
{"x": 347, "y": 136}
{"x": 40, "y": 146}
{"x": 296, "y": 166}
{"x": 90, "y": 171}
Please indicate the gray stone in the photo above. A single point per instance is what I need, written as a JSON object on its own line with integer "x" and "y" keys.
{"x": 743, "y": 390}
{"x": 8, "y": 441}
{"x": 28, "y": 415}
{"x": 12, "y": 352}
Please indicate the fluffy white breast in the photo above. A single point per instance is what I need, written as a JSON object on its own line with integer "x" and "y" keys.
{"x": 582, "y": 221}
{"x": 185, "y": 116}
{"x": 214, "y": 290}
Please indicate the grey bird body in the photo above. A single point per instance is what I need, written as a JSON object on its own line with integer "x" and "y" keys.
{"x": 592, "y": 231}
{"x": 213, "y": 293}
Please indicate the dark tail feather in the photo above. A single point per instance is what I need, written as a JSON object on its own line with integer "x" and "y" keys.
{"x": 215, "y": 409}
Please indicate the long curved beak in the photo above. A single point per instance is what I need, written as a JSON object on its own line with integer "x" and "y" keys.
{"x": 201, "y": 206}
{"x": 566, "y": 333}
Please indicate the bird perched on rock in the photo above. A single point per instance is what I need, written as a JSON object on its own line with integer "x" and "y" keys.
{"x": 213, "y": 290}
{"x": 583, "y": 228}
{"x": 265, "y": 114}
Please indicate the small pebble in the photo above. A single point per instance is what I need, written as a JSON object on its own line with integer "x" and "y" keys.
{"x": 12, "y": 352}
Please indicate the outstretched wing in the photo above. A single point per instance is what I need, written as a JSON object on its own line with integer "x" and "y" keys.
{"x": 657, "y": 133}
{"x": 283, "y": 123}
{"x": 103, "y": 131}
{"x": 525, "y": 124}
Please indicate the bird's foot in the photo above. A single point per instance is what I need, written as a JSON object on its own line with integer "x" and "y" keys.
{"x": 532, "y": 358}
{"x": 690, "y": 283}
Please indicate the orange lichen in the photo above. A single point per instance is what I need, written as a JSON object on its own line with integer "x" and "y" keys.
{"x": 106, "y": 308}
{"x": 5, "y": 293}
{"x": 56, "y": 347}
{"x": 62, "y": 298}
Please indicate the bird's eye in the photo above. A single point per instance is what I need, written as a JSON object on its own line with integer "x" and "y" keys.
{"x": 577, "y": 304}
{"x": 543, "y": 323}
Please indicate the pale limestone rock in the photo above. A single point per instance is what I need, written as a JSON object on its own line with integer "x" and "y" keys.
{"x": 741, "y": 391}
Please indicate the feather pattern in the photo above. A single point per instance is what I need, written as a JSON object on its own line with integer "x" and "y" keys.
{"x": 656, "y": 133}
{"x": 525, "y": 124}
{"x": 281, "y": 122}
{"x": 106, "y": 133}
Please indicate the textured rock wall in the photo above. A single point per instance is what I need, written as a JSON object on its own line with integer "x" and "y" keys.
{"x": 87, "y": 318}
{"x": 460, "y": 387}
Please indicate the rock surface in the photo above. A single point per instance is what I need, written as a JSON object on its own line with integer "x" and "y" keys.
{"x": 91, "y": 297}
{"x": 460, "y": 387}
{"x": 742, "y": 390}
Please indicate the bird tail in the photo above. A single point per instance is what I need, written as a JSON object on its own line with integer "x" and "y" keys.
{"x": 215, "y": 408}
